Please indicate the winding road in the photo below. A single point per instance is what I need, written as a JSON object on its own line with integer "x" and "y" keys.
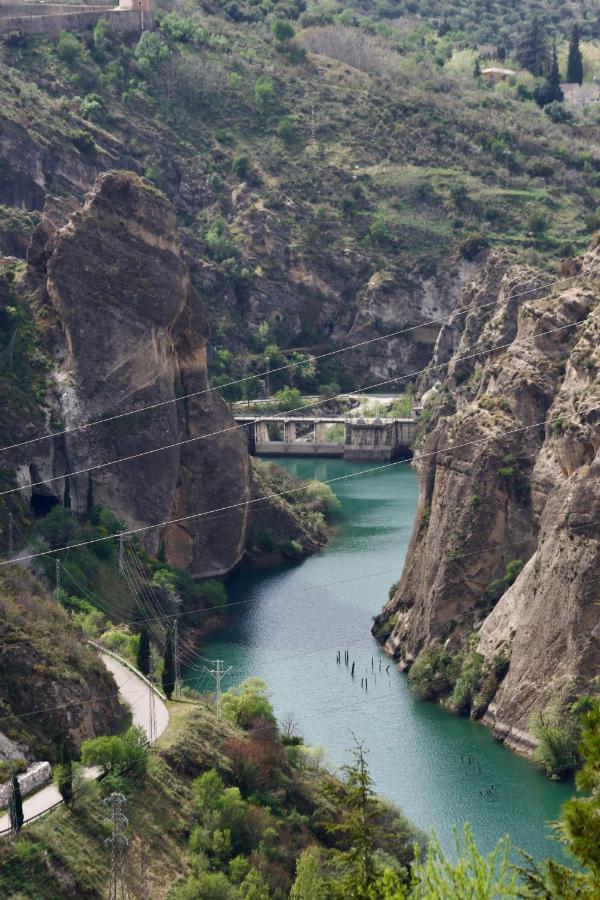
{"x": 133, "y": 691}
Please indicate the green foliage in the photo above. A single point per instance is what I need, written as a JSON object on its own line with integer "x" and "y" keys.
{"x": 578, "y": 829}
{"x": 178, "y": 28}
{"x": 468, "y": 682}
{"x": 247, "y": 703}
{"x": 15, "y": 808}
{"x": 308, "y": 885}
{"x": 575, "y": 60}
{"x": 221, "y": 244}
{"x": 558, "y": 731}
{"x": 283, "y": 31}
{"x": 499, "y": 586}
{"x": 151, "y": 52}
{"x": 168, "y": 672}
{"x": 433, "y": 673}
{"x": 64, "y": 773}
{"x": 143, "y": 652}
{"x": 84, "y": 141}
{"x": 286, "y": 130}
{"x": 114, "y": 753}
{"x": 264, "y": 94}
{"x": 468, "y": 874}
{"x": 69, "y": 48}
{"x": 287, "y": 398}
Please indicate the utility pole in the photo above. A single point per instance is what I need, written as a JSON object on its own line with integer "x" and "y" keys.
{"x": 10, "y": 536}
{"x": 121, "y": 553}
{"x": 151, "y": 704}
{"x": 218, "y": 674}
{"x": 118, "y": 844}
{"x": 57, "y": 571}
{"x": 176, "y": 602}
{"x": 177, "y": 659}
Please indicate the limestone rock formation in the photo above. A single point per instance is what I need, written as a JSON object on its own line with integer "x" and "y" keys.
{"x": 132, "y": 333}
{"x": 518, "y": 482}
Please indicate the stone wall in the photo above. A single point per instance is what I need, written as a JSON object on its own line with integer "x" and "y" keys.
{"x": 37, "y": 775}
{"x": 125, "y": 21}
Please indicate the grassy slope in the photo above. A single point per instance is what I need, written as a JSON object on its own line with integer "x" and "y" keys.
{"x": 64, "y": 854}
{"x": 409, "y": 158}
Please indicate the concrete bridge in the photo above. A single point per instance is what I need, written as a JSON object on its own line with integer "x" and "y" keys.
{"x": 351, "y": 439}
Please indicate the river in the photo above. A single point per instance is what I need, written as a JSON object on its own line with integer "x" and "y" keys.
{"x": 291, "y": 621}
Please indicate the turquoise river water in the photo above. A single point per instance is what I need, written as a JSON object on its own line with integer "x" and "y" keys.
{"x": 291, "y": 621}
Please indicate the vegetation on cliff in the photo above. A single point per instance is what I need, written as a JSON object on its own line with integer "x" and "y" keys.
{"x": 472, "y": 621}
{"x": 238, "y": 124}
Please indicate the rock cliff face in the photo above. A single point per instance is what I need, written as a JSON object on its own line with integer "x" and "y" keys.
{"x": 519, "y": 482}
{"x": 131, "y": 332}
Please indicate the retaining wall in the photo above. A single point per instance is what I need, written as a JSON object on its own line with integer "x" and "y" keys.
{"x": 37, "y": 775}
{"x": 124, "y": 21}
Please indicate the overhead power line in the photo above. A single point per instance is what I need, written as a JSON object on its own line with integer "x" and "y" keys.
{"x": 230, "y": 428}
{"x": 288, "y": 366}
{"x": 252, "y": 501}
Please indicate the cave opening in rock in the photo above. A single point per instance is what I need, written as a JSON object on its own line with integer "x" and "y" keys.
{"x": 42, "y": 504}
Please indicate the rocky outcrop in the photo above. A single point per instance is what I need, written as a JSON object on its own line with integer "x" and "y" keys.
{"x": 131, "y": 333}
{"x": 518, "y": 482}
{"x": 52, "y": 684}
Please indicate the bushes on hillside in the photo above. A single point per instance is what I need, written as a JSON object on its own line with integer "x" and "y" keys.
{"x": 116, "y": 753}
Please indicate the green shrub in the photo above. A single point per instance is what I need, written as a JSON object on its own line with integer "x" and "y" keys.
{"x": 248, "y": 702}
{"x": 558, "y": 731}
{"x": 84, "y": 141}
{"x": 264, "y": 93}
{"x": 69, "y": 48}
{"x": 286, "y": 130}
{"x": 283, "y": 31}
{"x": 115, "y": 752}
{"x": 221, "y": 244}
{"x": 151, "y": 52}
{"x": 241, "y": 166}
{"x": 433, "y": 673}
{"x": 178, "y": 28}
{"x": 468, "y": 682}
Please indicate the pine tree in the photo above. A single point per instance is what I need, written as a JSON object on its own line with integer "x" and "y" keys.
{"x": 357, "y": 828}
{"x": 16, "y": 806}
{"x": 575, "y": 62}
{"x": 64, "y": 775}
{"x": 531, "y": 52}
{"x": 143, "y": 653}
{"x": 168, "y": 675}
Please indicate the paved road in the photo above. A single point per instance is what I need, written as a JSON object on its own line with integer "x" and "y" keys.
{"x": 133, "y": 691}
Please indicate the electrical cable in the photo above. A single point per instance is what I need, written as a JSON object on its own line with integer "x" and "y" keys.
{"x": 230, "y": 428}
{"x": 288, "y": 366}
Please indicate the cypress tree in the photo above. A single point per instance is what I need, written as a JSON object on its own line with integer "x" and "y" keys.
{"x": 554, "y": 92}
{"x": 168, "y": 675}
{"x": 64, "y": 779}
{"x": 477, "y": 69}
{"x": 575, "y": 62}
{"x": 67, "y": 493}
{"x": 143, "y": 653}
{"x": 16, "y": 806}
{"x": 531, "y": 51}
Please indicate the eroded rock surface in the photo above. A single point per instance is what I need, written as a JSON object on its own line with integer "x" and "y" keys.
{"x": 132, "y": 333}
{"x": 519, "y": 481}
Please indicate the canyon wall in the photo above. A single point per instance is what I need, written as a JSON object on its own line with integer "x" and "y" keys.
{"x": 516, "y": 493}
{"x": 129, "y": 333}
